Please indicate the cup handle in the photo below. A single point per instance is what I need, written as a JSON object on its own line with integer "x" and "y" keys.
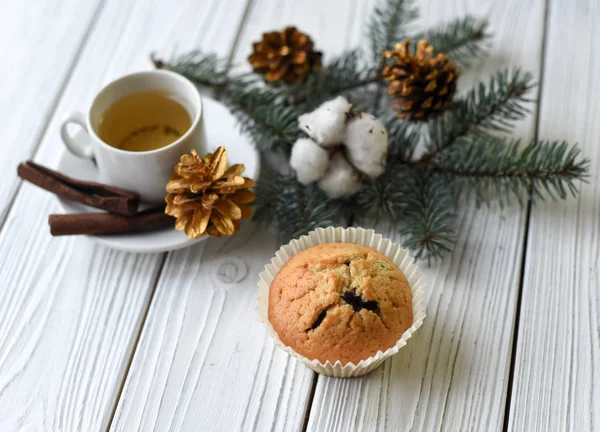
{"x": 76, "y": 148}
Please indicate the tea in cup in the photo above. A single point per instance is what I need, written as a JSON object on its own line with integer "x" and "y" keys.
{"x": 138, "y": 127}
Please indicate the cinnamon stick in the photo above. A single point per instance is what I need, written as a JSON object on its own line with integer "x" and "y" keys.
{"x": 109, "y": 198}
{"x": 106, "y": 223}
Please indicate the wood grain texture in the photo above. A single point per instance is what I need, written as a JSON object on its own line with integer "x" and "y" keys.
{"x": 453, "y": 373}
{"x": 34, "y": 73}
{"x": 70, "y": 312}
{"x": 203, "y": 361}
{"x": 557, "y": 368}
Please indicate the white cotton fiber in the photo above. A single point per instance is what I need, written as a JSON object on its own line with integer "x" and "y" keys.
{"x": 308, "y": 160}
{"x": 327, "y": 123}
{"x": 366, "y": 141}
{"x": 340, "y": 179}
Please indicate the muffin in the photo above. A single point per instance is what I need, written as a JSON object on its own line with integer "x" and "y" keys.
{"x": 340, "y": 301}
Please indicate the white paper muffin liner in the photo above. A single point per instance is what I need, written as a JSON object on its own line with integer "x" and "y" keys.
{"x": 361, "y": 236}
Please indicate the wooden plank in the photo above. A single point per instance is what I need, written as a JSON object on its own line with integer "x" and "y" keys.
{"x": 557, "y": 367}
{"x": 34, "y": 73}
{"x": 453, "y": 374}
{"x": 203, "y": 361}
{"x": 71, "y": 311}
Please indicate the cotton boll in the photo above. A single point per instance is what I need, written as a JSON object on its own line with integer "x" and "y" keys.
{"x": 366, "y": 141}
{"x": 308, "y": 160}
{"x": 341, "y": 179}
{"x": 326, "y": 124}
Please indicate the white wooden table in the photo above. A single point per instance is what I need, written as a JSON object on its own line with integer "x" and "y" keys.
{"x": 92, "y": 339}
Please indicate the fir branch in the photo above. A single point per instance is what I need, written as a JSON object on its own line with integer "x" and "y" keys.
{"x": 494, "y": 107}
{"x": 202, "y": 69}
{"x": 271, "y": 126}
{"x": 403, "y": 137}
{"x": 293, "y": 208}
{"x": 388, "y": 25}
{"x": 491, "y": 167}
{"x": 345, "y": 73}
{"x": 429, "y": 216}
{"x": 463, "y": 151}
{"x": 386, "y": 194}
{"x": 462, "y": 40}
{"x": 500, "y": 104}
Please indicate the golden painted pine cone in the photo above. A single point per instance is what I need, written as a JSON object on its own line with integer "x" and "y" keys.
{"x": 286, "y": 55}
{"x": 206, "y": 196}
{"x": 423, "y": 84}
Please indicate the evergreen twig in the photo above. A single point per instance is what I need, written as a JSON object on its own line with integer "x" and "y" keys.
{"x": 462, "y": 39}
{"x": 428, "y": 221}
{"x": 202, "y": 69}
{"x": 403, "y": 137}
{"x": 492, "y": 107}
{"x": 386, "y": 194}
{"x": 491, "y": 168}
{"x": 272, "y": 127}
{"x": 347, "y": 72}
{"x": 293, "y": 208}
{"x": 388, "y": 25}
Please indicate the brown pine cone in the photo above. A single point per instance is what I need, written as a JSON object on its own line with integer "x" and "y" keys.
{"x": 422, "y": 84}
{"x": 206, "y": 196}
{"x": 286, "y": 55}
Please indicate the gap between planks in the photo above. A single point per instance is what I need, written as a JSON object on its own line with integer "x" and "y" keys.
{"x": 309, "y": 404}
{"x": 144, "y": 316}
{"x": 54, "y": 102}
{"x": 536, "y": 131}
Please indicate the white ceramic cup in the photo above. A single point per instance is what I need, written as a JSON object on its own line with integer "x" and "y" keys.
{"x": 146, "y": 173}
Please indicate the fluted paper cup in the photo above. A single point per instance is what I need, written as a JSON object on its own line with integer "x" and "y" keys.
{"x": 361, "y": 236}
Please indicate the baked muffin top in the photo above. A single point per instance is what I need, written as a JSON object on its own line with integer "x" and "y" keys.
{"x": 340, "y": 301}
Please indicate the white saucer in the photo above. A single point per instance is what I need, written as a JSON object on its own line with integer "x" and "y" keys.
{"x": 221, "y": 129}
